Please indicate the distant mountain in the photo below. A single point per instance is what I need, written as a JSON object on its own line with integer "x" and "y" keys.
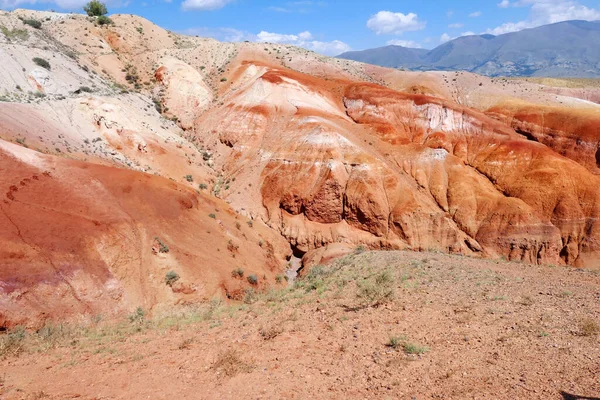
{"x": 564, "y": 49}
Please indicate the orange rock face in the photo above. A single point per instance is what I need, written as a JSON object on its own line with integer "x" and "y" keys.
{"x": 337, "y": 161}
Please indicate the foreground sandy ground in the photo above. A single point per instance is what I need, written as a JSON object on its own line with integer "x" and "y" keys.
{"x": 372, "y": 325}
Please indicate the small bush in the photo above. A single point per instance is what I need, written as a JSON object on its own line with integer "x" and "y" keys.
{"x": 253, "y": 279}
{"x": 237, "y": 273}
{"x": 189, "y": 178}
{"x": 95, "y": 8}
{"x": 213, "y": 216}
{"x": 203, "y": 186}
{"x": 34, "y": 23}
{"x": 104, "y": 20}
{"x": 84, "y": 89}
{"x": 223, "y": 79}
{"x": 41, "y": 62}
{"x": 162, "y": 247}
{"x": 171, "y": 277}
{"x": 250, "y": 224}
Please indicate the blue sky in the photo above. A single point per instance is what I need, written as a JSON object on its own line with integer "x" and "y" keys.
{"x": 333, "y": 26}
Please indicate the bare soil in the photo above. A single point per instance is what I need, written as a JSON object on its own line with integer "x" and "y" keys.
{"x": 371, "y": 325}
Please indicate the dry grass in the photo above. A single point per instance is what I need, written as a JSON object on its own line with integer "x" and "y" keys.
{"x": 588, "y": 328}
{"x": 230, "y": 364}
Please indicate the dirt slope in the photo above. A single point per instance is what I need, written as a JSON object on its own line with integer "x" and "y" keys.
{"x": 445, "y": 327}
{"x": 79, "y": 238}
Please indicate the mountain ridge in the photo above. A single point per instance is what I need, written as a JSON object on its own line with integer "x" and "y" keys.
{"x": 562, "y": 49}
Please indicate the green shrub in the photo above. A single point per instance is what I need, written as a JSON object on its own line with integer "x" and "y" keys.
{"x": 223, "y": 79}
{"x": 162, "y": 247}
{"x": 104, "y": 20}
{"x": 252, "y": 279}
{"x": 213, "y": 216}
{"x": 189, "y": 178}
{"x": 203, "y": 186}
{"x": 34, "y": 23}
{"x": 411, "y": 348}
{"x": 95, "y": 8}
{"x": 41, "y": 62}
{"x": 171, "y": 277}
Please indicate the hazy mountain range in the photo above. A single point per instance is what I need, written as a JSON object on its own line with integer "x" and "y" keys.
{"x": 564, "y": 49}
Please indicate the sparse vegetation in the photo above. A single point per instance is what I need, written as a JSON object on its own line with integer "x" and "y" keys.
{"x": 212, "y": 215}
{"x": 14, "y": 34}
{"x": 189, "y": 178}
{"x": 162, "y": 246}
{"x": 104, "y": 20}
{"x": 34, "y": 23}
{"x": 253, "y": 279}
{"x": 171, "y": 277}
{"x": 203, "y": 186}
{"x": 95, "y": 8}
{"x": 41, "y": 62}
{"x": 412, "y": 348}
{"x": 230, "y": 363}
{"x": 377, "y": 290}
{"x": 237, "y": 273}
{"x": 589, "y": 327}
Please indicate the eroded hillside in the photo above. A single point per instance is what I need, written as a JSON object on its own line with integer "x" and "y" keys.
{"x": 241, "y": 155}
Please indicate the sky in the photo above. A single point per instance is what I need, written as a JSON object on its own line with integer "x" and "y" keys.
{"x": 331, "y": 27}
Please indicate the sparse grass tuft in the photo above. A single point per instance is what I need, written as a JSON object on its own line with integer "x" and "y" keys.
{"x": 252, "y": 279}
{"x": 378, "y": 290}
{"x": 13, "y": 342}
{"x": 412, "y": 348}
{"x": 588, "y": 328}
{"x": 230, "y": 364}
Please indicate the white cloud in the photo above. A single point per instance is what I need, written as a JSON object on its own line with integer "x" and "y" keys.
{"x": 455, "y": 26}
{"x": 446, "y": 38}
{"x": 404, "y": 43}
{"x": 303, "y": 39}
{"x": 544, "y": 12}
{"x": 204, "y": 5}
{"x": 475, "y": 14}
{"x": 504, "y": 4}
{"x": 387, "y": 22}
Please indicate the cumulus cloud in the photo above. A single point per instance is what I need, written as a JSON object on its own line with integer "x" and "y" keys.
{"x": 504, "y": 4}
{"x": 204, "y": 5}
{"x": 445, "y": 38}
{"x": 404, "y": 43}
{"x": 303, "y": 39}
{"x": 387, "y": 22}
{"x": 475, "y": 14}
{"x": 544, "y": 12}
